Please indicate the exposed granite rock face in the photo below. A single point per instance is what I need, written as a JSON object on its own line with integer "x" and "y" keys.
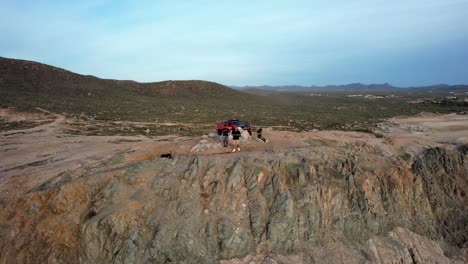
{"x": 350, "y": 204}
{"x": 445, "y": 182}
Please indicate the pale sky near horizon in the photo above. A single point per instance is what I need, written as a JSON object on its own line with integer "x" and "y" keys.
{"x": 402, "y": 42}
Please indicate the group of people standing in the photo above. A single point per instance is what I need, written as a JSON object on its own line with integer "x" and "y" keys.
{"x": 236, "y": 134}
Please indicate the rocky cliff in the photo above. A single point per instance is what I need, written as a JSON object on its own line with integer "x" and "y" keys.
{"x": 330, "y": 202}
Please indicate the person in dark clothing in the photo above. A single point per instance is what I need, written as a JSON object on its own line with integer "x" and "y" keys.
{"x": 236, "y": 134}
{"x": 259, "y": 135}
{"x": 225, "y": 136}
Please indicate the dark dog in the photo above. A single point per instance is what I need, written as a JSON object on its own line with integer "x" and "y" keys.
{"x": 167, "y": 155}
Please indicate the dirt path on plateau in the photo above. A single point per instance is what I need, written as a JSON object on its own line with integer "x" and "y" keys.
{"x": 47, "y": 150}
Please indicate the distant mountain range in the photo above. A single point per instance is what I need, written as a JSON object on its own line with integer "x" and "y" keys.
{"x": 36, "y": 78}
{"x": 352, "y": 87}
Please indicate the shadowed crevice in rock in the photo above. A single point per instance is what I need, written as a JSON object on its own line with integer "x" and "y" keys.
{"x": 444, "y": 177}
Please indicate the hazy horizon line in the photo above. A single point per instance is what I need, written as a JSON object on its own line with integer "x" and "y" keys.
{"x": 239, "y": 86}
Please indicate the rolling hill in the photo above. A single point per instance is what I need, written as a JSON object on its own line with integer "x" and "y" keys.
{"x": 26, "y": 85}
{"x": 33, "y": 77}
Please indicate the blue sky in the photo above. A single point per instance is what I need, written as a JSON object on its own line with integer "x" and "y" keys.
{"x": 256, "y": 42}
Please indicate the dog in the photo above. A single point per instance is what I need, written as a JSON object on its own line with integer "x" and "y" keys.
{"x": 167, "y": 155}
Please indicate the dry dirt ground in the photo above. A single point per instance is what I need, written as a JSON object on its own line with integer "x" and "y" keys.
{"x": 414, "y": 134}
{"x": 48, "y": 150}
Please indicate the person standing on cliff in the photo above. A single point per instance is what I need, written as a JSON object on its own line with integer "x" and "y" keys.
{"x": 225, "y": 136}
{"x": 236, "y": 134}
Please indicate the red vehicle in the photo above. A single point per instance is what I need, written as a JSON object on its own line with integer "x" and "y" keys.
{"x": 233, "y": 123}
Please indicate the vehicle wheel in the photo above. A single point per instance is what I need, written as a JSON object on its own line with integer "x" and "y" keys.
{"x": 219, "y": 132}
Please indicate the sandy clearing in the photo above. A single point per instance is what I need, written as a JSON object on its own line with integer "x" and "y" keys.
{"x": 414, "y": 134}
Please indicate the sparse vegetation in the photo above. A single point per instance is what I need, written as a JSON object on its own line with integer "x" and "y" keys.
{"x": 6, "y": 125}
{"x": 193, "y": 107}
